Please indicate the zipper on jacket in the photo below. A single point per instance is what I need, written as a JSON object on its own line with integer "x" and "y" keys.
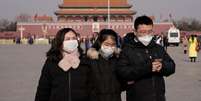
{"x": 154, "y": 85}
{"x": 69, "y": 86}
{"x": 153, "y": 79}
{"x": 147, "y": 52}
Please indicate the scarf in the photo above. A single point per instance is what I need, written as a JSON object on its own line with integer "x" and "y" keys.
{"x": 69, "y": 60}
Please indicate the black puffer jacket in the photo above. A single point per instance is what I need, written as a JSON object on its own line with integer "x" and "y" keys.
{"x": 135, "y": 64}
{"x": 58, "y": 85}
{"x": 105, "y": 85}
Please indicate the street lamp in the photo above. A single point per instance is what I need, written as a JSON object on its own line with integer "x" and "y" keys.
{"x": 21, "y": 29}
{"x": 44, "y": 30}
{"x": 108, "y": 9}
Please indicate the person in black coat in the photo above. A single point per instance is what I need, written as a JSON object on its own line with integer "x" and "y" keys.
{"x": 143, "y": 64}
{"x": 65, "y": 74}
{"x": 105, "y": 85}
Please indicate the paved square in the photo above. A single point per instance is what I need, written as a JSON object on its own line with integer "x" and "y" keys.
{"x": 20, "y": 67}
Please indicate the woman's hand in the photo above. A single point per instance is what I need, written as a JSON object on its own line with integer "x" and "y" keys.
{"x": 92, "y": 53}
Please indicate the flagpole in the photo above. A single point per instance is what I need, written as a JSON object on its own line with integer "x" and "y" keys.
{"x": 108, "y": 21}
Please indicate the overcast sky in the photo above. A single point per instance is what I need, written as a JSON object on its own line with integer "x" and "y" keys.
{"x": 159, "y": 8}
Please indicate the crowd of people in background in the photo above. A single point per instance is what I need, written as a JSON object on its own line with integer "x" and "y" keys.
{"x": 191, "y": 44}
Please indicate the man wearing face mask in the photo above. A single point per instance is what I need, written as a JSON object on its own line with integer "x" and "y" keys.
{"x": 143, "y": 64}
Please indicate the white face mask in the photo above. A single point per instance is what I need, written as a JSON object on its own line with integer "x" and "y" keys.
{"x": 145, "y": 39}
{"x": 107, "y": 51}
{"x": 70, "y": 45}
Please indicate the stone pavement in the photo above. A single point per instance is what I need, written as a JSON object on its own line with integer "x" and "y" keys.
{"x": 20, "y": 67}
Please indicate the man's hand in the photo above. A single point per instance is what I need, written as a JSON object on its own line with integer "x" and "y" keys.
{"x": 156, "y": 66}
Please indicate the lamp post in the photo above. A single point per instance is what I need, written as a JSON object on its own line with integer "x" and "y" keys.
{"x": 44, "y": 30}
{"x": 21, "y": 29}
{"x": 108, "y": 21}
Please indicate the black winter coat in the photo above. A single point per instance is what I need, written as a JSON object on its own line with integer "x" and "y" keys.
{"x": 105, "y": 85}
{"x": 58, "y": 85}
{"x": 135, "y": 64}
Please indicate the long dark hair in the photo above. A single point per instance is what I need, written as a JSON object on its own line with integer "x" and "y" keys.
{"x": 55, "y": 52}
{"x": 103, "y": 35}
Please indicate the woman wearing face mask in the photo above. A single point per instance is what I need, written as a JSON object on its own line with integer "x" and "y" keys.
{"x": 64, "y": 76}
{"x": 105, "y": 85}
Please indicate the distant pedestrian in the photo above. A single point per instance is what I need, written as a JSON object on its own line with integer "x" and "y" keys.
{"x": 30, "y": 40}
{"x": 193, "y": 44}
{"x": 83, "y": 45}
{"x": 18, "y": 40}
{"x": 88, "y": 43}
{"x": 185, "y": 44}
{"x": 165, "y": 42}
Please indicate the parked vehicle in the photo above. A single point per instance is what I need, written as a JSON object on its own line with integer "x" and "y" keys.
{"x": 174, "y": 36}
